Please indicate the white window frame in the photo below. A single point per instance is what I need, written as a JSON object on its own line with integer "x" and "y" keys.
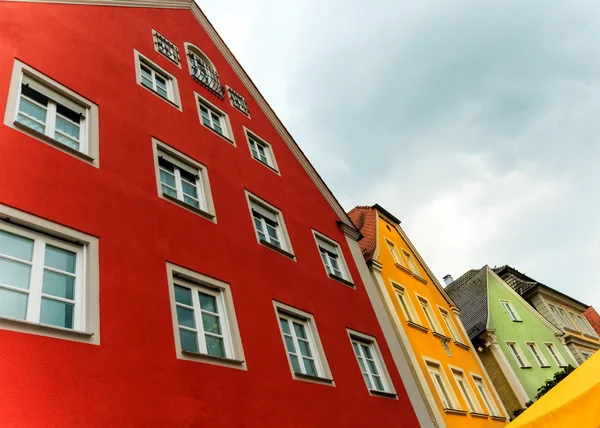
{"x": 583, "y": 324}
{"x": 510, "y": 310}
{"x": 215, "y": 111}
{"x": 429, "y": 315}
{"x": 323, "y": 242}
{"x": 318, "y": 354}
{"x": 398, "y": 260}
{"x": 286, "y": 245}
{"x": 405, "y": 303}
{"x": 178, "y": 275}
{"x": 271, "y": 163}
{"x": 517, "y": 354}
{"x": 174, "y": 59}
{"x": 449, "y": 321}
{"x": 535, "y": 350}
{"x": 184, "y": 162}
{"x": 57, "y": 93}
{"x": 86, "y": 319}
{"x": 488, "y": 400}
{"x": 382, "y": 372}
{"x": 172, "y": 86}
{"x": 441, "y": 384}
{"x": 564, "y": 318}
{"x": 467, "y": 393}
{"x": 556, "y": 356}
{"x": 410, "y": 261}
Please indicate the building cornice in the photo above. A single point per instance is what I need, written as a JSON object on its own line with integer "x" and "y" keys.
{"x": 350, "y": 232}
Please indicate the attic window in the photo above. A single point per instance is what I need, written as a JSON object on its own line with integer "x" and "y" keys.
{"x": 238, "y": 101}
{"x": 165, "y": 47}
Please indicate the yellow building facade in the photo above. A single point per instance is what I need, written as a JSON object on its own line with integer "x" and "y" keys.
{"x": 452, "y": 379}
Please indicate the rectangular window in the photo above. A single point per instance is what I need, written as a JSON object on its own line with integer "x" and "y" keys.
{"x": 204, "y": 318}
{"x": 492, "y": 409}
{"x": 238, "y": 101}
{"x": 166, "y": 47}
{"x": 555, "y": 355}
{"x": 157, "y": 80}
{"x": 516, "y": 353}
{"x": 583, "y": 325}
{"x": 405, "y": 303}
{"x": 261, "y": 151}
{"x": 214, "y": 119}
{"x": 370, "y": 365}
{"x": 510, "y": 310}
{"x": 395, "y": 254}
{"x": 450, "y": 325}
{"x": 466, "y": 391}
{"x": 586, "y": 355}
{"x": 411, "y": 263}
{"x": 50, "y": 112}
{"x": 269, "y": 226}
{"x": 300, "y": 338}
{"x": 537, "y": 354}
{"x": 565, "y": 319}
{"x": 441, "y": 386}
{"x": 331, "y": 256}
{"x": 429, "y": 315}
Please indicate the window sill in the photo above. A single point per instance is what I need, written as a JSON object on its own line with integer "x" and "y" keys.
{"x": 318, "y": 379}
{"x": 33, "y": 327}
{"x": 171, "y": 102}
{"x": 526, "y": 367}
{"x": 32, "y": 132}
{"x": 570, "y": 330}
{"x": 545, "y": 367}
{"x": 498, "y": 418}
{"x": 266, "y": 165}
{"x": 342, "y": 280}
{"x": 456, "y": 412}
{"x": 462, "y": 345}
{"x": 419, "y": 278}
{"x": 200, "y": 356}
{"x": 189, "y": 207}
{"x": 479, "y": 415}
{"x": 277, "y": 249}
{"x": 517, "y": 320}
{"x": 383, "y": 394}
{"x": 589, "y": 336}
{"x": 229, "y": 140}
{"x": 417, "y": 326}
{"x": 440, "y": 336}
{"x": 405, "y": 269}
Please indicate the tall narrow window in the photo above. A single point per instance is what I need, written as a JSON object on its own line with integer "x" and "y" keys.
{"x": 440, "y": 385}
{"x": 558, "y": 359}
{"x": 268, "y": 224}
{"x": 510, "y": 310}
{"x": 583, "y": 325}
{"x": 300, "y": 345}
{"x": 405, "y": 303}
{"x": 516, "y": 353}
{"x": 203, "y": 71}
{"x": 485, "y": 394}
{"x": 450, "y": 325}
{"x": 411, "y": 262}
{"x": 395, "y": 254}
{"x": 429, "y": 315}
{"x": 370, "y": 365}
{"x": 537, "y": 354}
{"x": 565, "y": 319}
{"x": 466, "y": 391}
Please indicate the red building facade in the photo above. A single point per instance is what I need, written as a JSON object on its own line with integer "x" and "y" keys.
{"x": 167, "y": 257}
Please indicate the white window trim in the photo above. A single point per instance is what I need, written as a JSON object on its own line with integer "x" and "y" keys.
{"x": 400, "y": 289}
{"x": 189, "y": 47}
{"x": 436, "y": 327}
{"x": 458, "y": 373}
{"x": 556, "y": 356}
{"x": 178, "y": 64}
{"x": 341, "y": 259}
{"x": 486, "y": 396}
{"x": 521, "y": 354}
{"x": 410, "y": 262}
{"x": 395, "y": 252}
{"x": 285, "y": 239}
{"x": 203, "y": 188}
{"x": 450, "y": 324}
{"x": 89, "y": 142}
{"x": 544, "y": 361}
{"x": 325, "y": 376}
{"x": 237, "y": 360}
{"x": 89, "y": 310}
{"x": 356, "y": 336}
{"x": 172, "y": 84}
{"x": 512, "y": 308}
{"x": 583, "y": 324}
{"x": 564, "y": 321}
{"x": 436, "y": 366}
{"x": 272, "y": 164}
{"x": 226, "y": 124}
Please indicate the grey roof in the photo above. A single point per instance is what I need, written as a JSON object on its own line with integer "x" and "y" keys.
{"x": 469, "y": 292}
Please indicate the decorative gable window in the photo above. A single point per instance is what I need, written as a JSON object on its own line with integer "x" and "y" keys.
{"x": 165, "y": 47}
{"x": 203, "y": 71}
{"x": 238, "y": 101}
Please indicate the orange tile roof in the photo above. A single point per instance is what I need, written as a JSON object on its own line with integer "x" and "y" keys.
{"x": 593, "y": 318}
{"x": 365, "y": 220}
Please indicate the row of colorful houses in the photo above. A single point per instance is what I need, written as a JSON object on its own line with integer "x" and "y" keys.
{"x": 169, "y": 256}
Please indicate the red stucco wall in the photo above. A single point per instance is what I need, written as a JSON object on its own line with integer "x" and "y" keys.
{"x": 133, "y": 379}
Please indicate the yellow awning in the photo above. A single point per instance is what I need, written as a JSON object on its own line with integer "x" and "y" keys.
{"x": 573, "y": 403}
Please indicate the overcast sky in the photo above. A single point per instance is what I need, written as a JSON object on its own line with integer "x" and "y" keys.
{"x": 475, "y": 123}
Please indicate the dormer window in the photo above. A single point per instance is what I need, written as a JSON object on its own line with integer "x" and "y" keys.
{"x": 203, "y": 71}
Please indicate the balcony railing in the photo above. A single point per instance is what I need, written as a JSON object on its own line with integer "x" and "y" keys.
{"x": 206, "y": 75}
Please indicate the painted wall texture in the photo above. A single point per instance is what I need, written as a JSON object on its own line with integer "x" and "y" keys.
{"x": 133, "y": 378}
{"x": 531, "y": 329}
{"x": 425, "y": 341}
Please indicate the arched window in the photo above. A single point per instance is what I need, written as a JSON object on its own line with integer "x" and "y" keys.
{"x": 203, "y": 71}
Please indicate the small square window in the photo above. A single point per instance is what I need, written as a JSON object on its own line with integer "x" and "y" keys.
{"x": 332, "y": 258}
{"x": 183, "y": 180}
{"x": 52, "y": 113}
{"x": 238, "y": 101}
{"x": 166, "y": 47}
{"x": 269, "y": 226}
{"x": 261, "y": 151}
{"x": 157, "y": 80}
{"x": 370, "y": 363}
{"x": 302, "y": 344}
{"x": 214, "y": 119}
{"x": 204, "y": 318}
